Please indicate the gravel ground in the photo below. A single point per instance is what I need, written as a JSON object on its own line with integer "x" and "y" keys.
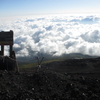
{"x": 66, "y": 80}
{"x": 48, "y": 85}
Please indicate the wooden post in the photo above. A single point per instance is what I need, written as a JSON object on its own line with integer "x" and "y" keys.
{"x": 11, "y": 49}
{"x": 2, "y": 50}
{"x": 16, "y": 64}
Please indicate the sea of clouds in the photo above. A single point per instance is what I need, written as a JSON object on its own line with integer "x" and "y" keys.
{"x": 54, "y": 35}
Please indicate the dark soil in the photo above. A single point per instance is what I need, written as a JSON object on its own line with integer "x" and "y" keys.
{"x": 53, "y": 81}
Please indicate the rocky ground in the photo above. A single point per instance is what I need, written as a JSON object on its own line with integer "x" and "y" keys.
{"x": 53, "y": 83}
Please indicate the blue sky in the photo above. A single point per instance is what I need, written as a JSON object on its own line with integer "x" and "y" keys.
{"x": 29, "y": 7}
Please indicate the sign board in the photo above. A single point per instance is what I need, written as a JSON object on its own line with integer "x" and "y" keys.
{"x": 6, "y": 38}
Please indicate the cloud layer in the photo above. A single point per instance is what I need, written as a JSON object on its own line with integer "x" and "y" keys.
{"x": 55, "y": 35}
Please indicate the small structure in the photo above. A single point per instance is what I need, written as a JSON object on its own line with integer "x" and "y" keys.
{"x": 7, "y": 63}
{"x": 39, "y": 63}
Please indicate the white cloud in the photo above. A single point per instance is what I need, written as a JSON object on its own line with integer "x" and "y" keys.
{"x": 92, "y": 36}
{"x": 55, "y": 35}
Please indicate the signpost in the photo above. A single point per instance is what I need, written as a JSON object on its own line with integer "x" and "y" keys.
{"x": 6, "y": 38}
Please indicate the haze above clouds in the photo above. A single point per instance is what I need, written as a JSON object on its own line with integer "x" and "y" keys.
{"x": 55, "y": 35}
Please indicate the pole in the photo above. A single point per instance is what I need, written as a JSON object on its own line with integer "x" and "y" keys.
{"x": 11, "y": 49}
{"x": 2, "y": 50}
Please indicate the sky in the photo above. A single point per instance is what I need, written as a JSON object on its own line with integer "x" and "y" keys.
{"x": 60, "y": 27}
{"x": 30, "y": 7}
